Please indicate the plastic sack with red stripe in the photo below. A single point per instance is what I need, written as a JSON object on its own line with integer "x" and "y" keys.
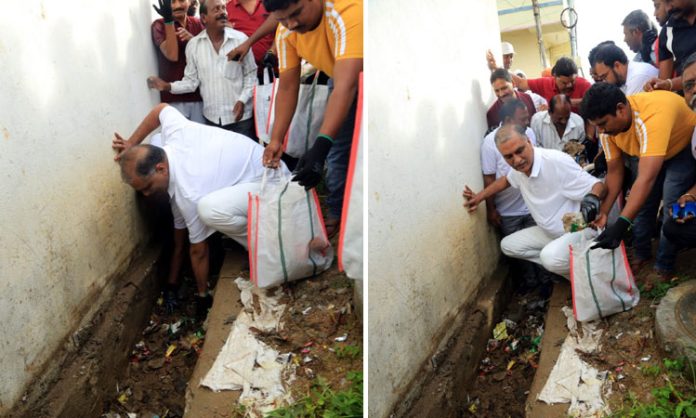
{"x": 601, "y": 280}
{"x": 286, "y": 233}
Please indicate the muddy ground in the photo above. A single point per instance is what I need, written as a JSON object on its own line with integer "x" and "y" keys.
{"x": 510, "y": 360}
{"x": 629, "y": 352}
{"x": 321, "y": 329}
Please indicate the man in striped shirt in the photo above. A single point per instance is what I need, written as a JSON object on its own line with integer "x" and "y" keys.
{"x": 226, "y": 86}
{"x": 655, "y": 127}
{"x": 329, "y": 35}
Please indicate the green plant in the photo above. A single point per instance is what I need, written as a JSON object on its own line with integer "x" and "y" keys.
{"x": 658, "y": 291}
{"x": 323, "y": 402}
{"x": 347, "y": 351}
{"x": 649, "y": 370}
{"x": 676, "y": 365}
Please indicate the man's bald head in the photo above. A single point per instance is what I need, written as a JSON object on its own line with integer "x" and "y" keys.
{"x": 145, "y": 168}
{"x": 559, "y": 110}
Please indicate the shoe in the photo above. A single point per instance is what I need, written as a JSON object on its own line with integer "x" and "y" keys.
{"x": 170, "y": 298}
{"x": 203, "y": 304}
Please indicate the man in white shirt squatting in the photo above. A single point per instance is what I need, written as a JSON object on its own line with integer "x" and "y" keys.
{"x": 551, "y": 184}
{"x": 206, "y": 171}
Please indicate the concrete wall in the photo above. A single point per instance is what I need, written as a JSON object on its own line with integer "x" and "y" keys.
{"x": 73, "y": 72}
{"x": 428, "y": 94}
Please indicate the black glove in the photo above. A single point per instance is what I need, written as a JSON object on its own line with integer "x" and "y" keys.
{"x": 589, "y": 207}
{"x": 270, "y": 60}
{"x": 165, "y": 10}
{"x": 310, "y": 168}
{"x": 612, "y": 235}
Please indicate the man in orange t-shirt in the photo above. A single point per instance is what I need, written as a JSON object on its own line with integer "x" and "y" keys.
{"x": 328, "y": 35}
{"x": 656, "y": 127}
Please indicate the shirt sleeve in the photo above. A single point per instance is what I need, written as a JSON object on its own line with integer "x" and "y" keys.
{"x": 664, "y": 53}
{"x": 198, "y": 231}
{"x": 171, "y": 120}
{"x": 250, "y": 79}
{"x": 611, "y": 150}
{"x": 512, "y": 178}
{"x": 576, "y": 181}
{"x": 179, "y": 222}
{"x": 190, "y": 82}
{"x": 655, "y": 131}
{"x": 158, "y": 33}
{"x": 287, "y": 54}
{"x": 535, "y": 85}
{"x": 488, "y": 157}
{"x": 348, "y": 35}
{"x": 532, "y": 136}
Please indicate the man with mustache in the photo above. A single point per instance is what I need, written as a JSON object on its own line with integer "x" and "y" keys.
{"x": 501, "y": 83}
{"x": 551, "y": 184}
{"x": 657, "y": 128}
{"x": 682, "y": 231}
{"x": 564, "y": 80}
{"x": 609, "y": 63}
{"x": 171, "y": 34}
{"x": 226, "y": 86}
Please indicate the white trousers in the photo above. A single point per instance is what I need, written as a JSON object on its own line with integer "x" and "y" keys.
{"x": 226, "y": 210}
{"x": 533, "y": 244}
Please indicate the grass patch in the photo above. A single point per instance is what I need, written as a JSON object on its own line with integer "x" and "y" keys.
{"x": 347, "y": 351}
{"x": 667, "y": 402}
{"x": 323, "y": 402}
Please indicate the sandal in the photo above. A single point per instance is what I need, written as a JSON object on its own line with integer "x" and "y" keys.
{"x": 332, "y": 226}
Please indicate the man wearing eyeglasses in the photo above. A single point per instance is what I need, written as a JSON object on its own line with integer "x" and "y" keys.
{"x": 610, "y": 64}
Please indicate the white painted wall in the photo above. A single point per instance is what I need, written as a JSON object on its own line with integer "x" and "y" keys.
{"x": 72, "y": 73}
{"x": 429, "y": 89}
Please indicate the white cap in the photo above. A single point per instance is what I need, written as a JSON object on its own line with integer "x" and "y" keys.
{"x": 507, "y": 48}
{"x": 520, "y": 73}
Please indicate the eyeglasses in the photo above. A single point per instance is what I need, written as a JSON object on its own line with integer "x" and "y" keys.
{"x": 689, "y": 84}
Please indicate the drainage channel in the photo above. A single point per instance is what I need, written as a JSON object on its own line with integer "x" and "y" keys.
{"x": 510, "y": 359}
{"x": 486, "y": 365}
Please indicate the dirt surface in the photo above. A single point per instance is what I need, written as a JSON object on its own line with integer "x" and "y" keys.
{"x": 629, "y": 352}
{"x": 320, "y": 328}
{"x": 506, "y": 372}
{"x": 161, "y": 362}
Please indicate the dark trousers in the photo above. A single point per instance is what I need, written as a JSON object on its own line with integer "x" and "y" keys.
{"x": 243, "y": 127}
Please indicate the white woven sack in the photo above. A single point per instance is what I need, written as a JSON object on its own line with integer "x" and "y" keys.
{"x": 350, "y": 241}
{"x": 601, "y": 280}
{"x": 309, "y": 115}
{"x": 287, "y": 237}
{"x": 264, "y": 110}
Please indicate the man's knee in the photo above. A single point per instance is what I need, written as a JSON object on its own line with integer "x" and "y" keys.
{"x": 507, "y": 247}
{"x": 207, "y": 212}
{"x": 554, "y": 261}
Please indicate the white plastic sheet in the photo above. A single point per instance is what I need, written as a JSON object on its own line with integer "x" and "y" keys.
{"x": 247, "y": 364}
{"x": 574, "y": 381}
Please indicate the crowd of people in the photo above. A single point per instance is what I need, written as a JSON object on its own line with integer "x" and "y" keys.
{"x": 206, "y": 159}
{"x": 621, "y": 151}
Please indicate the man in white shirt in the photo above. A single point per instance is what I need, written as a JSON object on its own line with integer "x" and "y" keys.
{"x": 551, "y": 184}
{"x": 558, "y": 125}
{"x": 207, "y": 173}
{"x": 610, "y": 64}
{"x": 507, "y": 210}
{"x": 226, "y": 86}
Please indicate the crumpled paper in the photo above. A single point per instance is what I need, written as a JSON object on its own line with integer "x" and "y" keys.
{"x": 574, "y": 381}
{"x": 247, "y": 364}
